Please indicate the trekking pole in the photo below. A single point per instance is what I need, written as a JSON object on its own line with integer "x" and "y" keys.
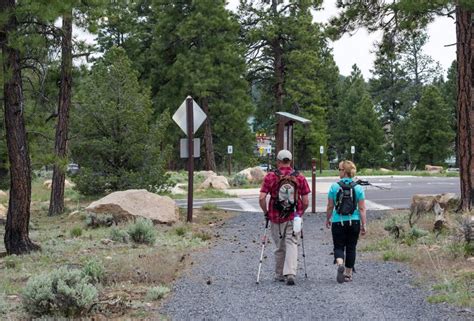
{"x": 304, "y": 254}
{"x": 264, "y": 240}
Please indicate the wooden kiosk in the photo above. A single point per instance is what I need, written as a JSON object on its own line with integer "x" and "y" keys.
{"x": 284, "y": 130}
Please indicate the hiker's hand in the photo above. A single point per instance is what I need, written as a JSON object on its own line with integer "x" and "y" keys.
{"x": 328, "y": 224}
{"x": 363, "y": 229}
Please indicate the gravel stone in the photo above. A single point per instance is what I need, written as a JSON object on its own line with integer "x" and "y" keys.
{"x": 380, "y": 290}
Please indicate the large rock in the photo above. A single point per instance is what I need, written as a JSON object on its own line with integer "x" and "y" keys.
{"x": 206, "y": 174}
{"x": 3, "y": 214}
{"x": 217, "y": 182}
{"x": 67, "y": 184}
{"x": 3, "y": 194}
{"x": 253, "y": 174}
{"x": 433, "y": 169}
{"x": 137, "y": 203}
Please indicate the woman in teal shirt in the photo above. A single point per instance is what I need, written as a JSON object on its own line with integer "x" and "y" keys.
{"x": 346, "y": 228}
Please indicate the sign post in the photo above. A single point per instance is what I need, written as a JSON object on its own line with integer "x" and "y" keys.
{"x": 269, "y": 152}
{"x": 353, "y": 150}
{"x": 189, "y": 117}
{"x": 321, "y": 152}
{"x": 313, "y": 185}
{"x": 190, "y": 123}
{"x": 230, "y": 150}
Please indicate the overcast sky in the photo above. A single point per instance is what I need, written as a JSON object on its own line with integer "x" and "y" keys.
{"x": 357, "y": 49}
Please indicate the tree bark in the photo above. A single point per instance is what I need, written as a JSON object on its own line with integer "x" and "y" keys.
{"x": 16, "y": 239}
{"x": 210, "y": 164}
{"x": 278, "y": 65}
{"x": 56, "y": 204}
{"x": 465, "y": 109}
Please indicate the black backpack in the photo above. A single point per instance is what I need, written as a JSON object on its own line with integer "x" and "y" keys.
{"x": 346, "y": 202}
{"x": 285, "y": 193}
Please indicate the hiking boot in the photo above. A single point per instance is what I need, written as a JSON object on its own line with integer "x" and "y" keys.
{"x": 290, "y": 279}
{"x": 279, "y": 278}
{"x": 340, "y": 274}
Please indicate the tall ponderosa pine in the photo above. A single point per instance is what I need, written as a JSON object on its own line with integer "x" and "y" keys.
{"x": 400, "y": 16}
{"x": 388, "y": 88}
{"x": 116, "y": 141}
{"x": 17, "y": 239}
{"x": 196, "y": 52}
{"x": 291, "y": 68}
{"x": 430, "y": 132}
{"x": 420, "y": 68}
{"x": 357, "y": 124}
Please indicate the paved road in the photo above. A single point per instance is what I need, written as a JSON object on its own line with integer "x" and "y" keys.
{"x": 397, "y": 193}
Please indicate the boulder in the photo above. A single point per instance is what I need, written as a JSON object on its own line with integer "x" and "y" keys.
{"x": 206, "y": 174}
{"x": 433, "y": 169}
{"x": 253, "y": 174}
{"x": 3, "y": 214}
{"x": 125, "y": 205}
{"x": 384, "y": 170}
{"x": 217, "y": 182}
{"x": 177, "y": 190}
{"x": 67, "y": 184}
{"x": 3, "y": 194}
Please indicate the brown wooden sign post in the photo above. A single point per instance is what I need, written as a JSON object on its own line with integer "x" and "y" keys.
{"x": 189, "y": 117}
{"x": 190, "y": 124}
{"x": 313, "y": 185}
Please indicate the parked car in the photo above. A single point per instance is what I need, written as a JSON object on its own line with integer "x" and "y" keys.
{"x": 72, "y": 169}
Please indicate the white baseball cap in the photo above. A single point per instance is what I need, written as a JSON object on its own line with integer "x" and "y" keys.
{"x": 284, "y": 154}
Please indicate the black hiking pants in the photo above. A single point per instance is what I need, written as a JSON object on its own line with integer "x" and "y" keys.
{"x": 344, "y": 237}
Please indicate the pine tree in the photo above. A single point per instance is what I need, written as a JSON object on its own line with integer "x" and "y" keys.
{"x": 429, "y": 131}
{"x": 291, "y": 68}
{"x": 197, "y": 53}
{"x": 389, "y": 87}
{"x": 116, "y": 142}
{"x": 357, "y": 124}
{"x": 402, "y": 16}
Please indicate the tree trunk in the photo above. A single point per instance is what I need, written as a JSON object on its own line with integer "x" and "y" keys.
{"x": 56, "y": 204}
{"x": 465, "y": 109}
{"x": 17, "y": 240}
{"x": 278, "y": 66}
{"x": 210, "y": 164}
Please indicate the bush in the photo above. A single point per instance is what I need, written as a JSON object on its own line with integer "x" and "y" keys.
{"x": 157, "y": 293}
{"x": 181, "y": 230}
{"x": 76, "y": 231}
{"x": 61, "y": 292}
{"x": 202, "y": 235}
{"x": 94, "y": 270}
{"x": 118, "y": 235}
{"x": 209, "y": 207}
{"x": 95, "y": 221}
{"x": 142, "y": 231}
{"x": 394, "y": 227}
{"x": 239, "y": 180}
{"x": 3, "y": 304}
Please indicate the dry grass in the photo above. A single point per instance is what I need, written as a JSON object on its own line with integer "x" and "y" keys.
{"x": 439, "y": 257}
{"x": 131, "y": 270}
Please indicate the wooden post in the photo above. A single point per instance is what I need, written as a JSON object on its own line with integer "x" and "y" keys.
{"x": 190, "y": 125}
{"x": 313, "y": 185}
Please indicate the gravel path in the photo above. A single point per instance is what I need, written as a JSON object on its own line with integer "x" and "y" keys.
{"x": 221, "y": 284}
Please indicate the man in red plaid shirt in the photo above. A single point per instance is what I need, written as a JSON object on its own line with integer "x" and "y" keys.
{"x": 286, "y": 240}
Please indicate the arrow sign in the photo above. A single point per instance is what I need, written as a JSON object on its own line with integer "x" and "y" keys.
{"x": 199, "y": 117}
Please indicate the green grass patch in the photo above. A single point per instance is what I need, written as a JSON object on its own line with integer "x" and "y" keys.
{"x": 379, "y": 245}
{"x": 396, "y": 254}
{"x": 209, "y": 207}
{"x": 457, "y": 291}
